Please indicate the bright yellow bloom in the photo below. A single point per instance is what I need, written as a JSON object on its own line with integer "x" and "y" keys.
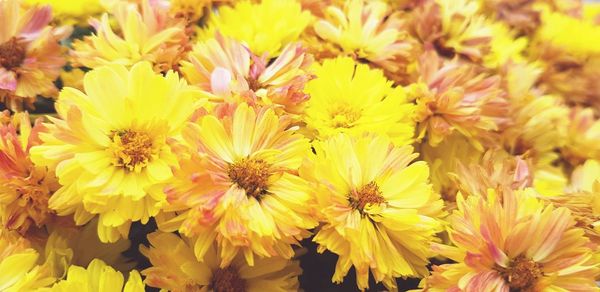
{"x": 97, "y": 277}
{"x": 147, "y": 33}
{"x": 175, "y": 268}
{"x": 504, "y": 47}
{"x": 30, "y": 55}
{"x": 457, "y": 97}
{"x": 26, "y": 187}
{"x": 513, "y": 242}
{"x": 19, "y": 269}
{"x": 264, "y": 27}
{"x": 112, "y": 147}
{"x": 72, "y": 12}
{"x": 576, "y": 37}
{"x": 368, "y": 30}
{"x": 379, "y": 211}
{"x": 351, "y": 98}
{"x": 240, "y": 186}
{"x": 228, "y": 70}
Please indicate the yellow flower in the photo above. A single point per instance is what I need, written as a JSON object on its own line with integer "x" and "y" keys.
{"x": 97, "y": 277}
{"x": 72, "y": 12}
{"x": 379, "y": 212}
{"x": 265, "y": 27}
{"x": 505, "y": 47}
{"x": 228, "y": 70}
{"x": 112, "y": 146}
{"x": 148, "y": 33}
{"x": 240, "y": 186}
{"x": 18, "y": 268}
{"x": 574, "y": 36}
{"x": 175, "y": 268}
{"x": 368, "y": 30}
{"x": 351, "y": 98}
{"x": 513, "y": 242}
{"x": 26, "y": 187}
{"x": 30, "y": 55}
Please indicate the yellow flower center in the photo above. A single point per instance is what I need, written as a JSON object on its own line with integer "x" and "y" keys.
{"x": 33, "y": 199}
{"x": 252, "y": 175}
{"x": 367, "y": 194}
{"x": 132, "y": 150}
{"x": 344, "y": 116}
{"x": 522, "y": 274}
{"x": 12, "y": 54}
{"x": 227, "y": 280}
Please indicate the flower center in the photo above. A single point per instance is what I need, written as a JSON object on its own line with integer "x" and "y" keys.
{"x": 367, "y": 194}
{"x": 31, "y": 207}
{"x": 132, "y": 150}
{"x": 252, "y": 175}
{"x": 522, "y": 274}
{"x": 12, "y": 54}
{"x": 344, "y": 116}
{"x": 227, "y": 280}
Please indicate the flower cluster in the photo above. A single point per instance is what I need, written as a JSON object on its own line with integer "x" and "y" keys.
{"x": 224, "y": 145}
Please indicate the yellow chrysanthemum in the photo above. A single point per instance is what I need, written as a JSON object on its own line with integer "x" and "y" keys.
{"x": 368, "y": 30}
{"x": 175, "y": 268}
{"x": 97, "y": 277}
{"x": 112, "y": 146}
{"x": 26, "y": 187}
{"x": 513, "y": 242}
{"x": 575, "y": 36}
{"x": 240, "y": 187}
{"x": 72, "y": 12}
{"x": 264, "y": 27}
{"x": 505, "y": 47}
{"x": 147, "y": 33}
{"x": 351, "y": 98}
{"x": 18, "y": 265}
{"x": 379, "y": 212}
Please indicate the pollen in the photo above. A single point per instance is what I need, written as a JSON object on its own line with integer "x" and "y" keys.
{"x": 344, "y": 116}
{"x": 12, "y": 54}
{"x": 252, "y": 175}
{"x": 227, "y": 280}
{"x": 522, "y": 274}
{"x": 132, "y": 150}
{"x": 367, "y": 194}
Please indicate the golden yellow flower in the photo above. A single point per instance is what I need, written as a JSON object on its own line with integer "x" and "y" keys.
{"x": 112, "y": 146}
{"x": 265, "y": 27}
{"x": 26, "y": 187}
{"x": 72, "y": 12}
{"x": 367, "y": 30}
{"x": 30, "y": 55}
{"x": 97, "y": 277}
{"x": 240, "y": 186}
{"x": 513, "y": 242}
{"x": 146, "y": 33}
{"x": 379, "y": 212}
{"x": 175, "y": 268}
{"x": 351, "y": 98}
